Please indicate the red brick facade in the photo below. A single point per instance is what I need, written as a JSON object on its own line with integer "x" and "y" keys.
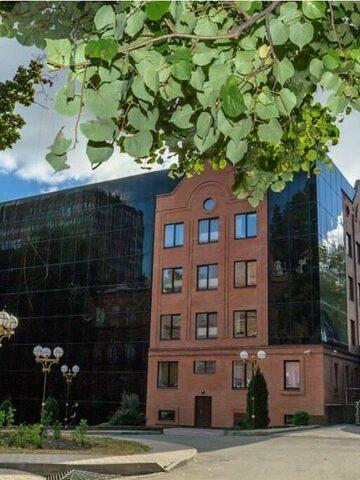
{"x": 316, "y": 362}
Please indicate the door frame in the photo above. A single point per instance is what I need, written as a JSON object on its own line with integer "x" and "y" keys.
{"x": 209, "y": 412}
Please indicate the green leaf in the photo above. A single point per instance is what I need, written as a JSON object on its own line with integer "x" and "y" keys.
{"x": 156, "y": 10}
{"x": 58, "y": 162}
{"x": 139, "y": 144}
{"x": 135, "y": 23}
{"x": 65, "y": 105}
{"x": 289, "y": 11}
{"x": 311, "y": 155}
{"x": 236, "y": 150}
{"x": 140, "y": 91}
{"x": 202, "y": 55}
{"x": 287, "y": 101}
{"x": 98, "y": 152}
{"x": 203, "y": 124}
{"x": 103, "y": 102}
{"x": 313, "y": 8}
{"x": 270, "y": 132}
{"x": 265, "y": 106}
{"x": 231, "y": 99}
{"x": 330, "y": 81}
{"x": 283, "y": 70}
{"x": 316, "y": 68}
{"x": 279, "y": 31}
{"x": 182, "y": 70}
{"x": 301, "y": 33}
{"x": 99, "y": 130}
{"x": 181, "y": 116}
{"x": 331, "y": 60}
{"x": 105, "y": 48}
{"x": 337, "y": 104}
{"x": 59, "y": 50}
{"x": 61, "y": 144}
{"x": 171, "y": 90}
{"x": 241, "y": 129}
{"x": 197, "y": 79}
{"x": 105, "y": 17}
{"x": 205, "y": 27}
{"x": 223, "y": 124}
{"x": 140, "y": 121}
{"x": 203, "y": 144}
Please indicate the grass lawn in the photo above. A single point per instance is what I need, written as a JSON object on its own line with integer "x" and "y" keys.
{"x": 93, "y": 445}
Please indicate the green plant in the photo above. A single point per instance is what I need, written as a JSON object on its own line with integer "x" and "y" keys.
{"x": 5, "y": 405}
{"x": 257, "y": 401}
{"x": 2, "y": 419}
{"x": 80, "y": 432}
{"x": 26, "y": 436}
{"x": 243, "y": 424}
{"x": 57, "y": 430}
{"x": 301, "y": 418}
{"x": 234, "y": 82}
{"x": 129, "y": 412}
{"x": 51, "y": 412}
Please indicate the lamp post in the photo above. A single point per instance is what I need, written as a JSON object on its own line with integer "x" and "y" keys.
{"x": 69, "y": 375}
{"x": 253, "y": 360}
{"x": 43, "y": 356}
{"x": 8, "y": 324}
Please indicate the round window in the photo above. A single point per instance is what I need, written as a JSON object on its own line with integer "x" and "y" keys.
{"x": 209, "y": 205}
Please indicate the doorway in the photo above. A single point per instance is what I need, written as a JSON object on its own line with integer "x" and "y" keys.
{"x": 203, "y": 409}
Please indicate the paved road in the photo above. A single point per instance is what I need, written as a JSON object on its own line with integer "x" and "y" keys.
{"x": 331, "y": 453}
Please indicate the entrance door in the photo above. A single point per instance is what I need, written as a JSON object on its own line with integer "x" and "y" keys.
{"x": 203, "y": 412}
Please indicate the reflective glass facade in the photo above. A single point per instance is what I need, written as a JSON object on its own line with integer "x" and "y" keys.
{"x": 75, "y": 267}
{"x": 307, "y": 289}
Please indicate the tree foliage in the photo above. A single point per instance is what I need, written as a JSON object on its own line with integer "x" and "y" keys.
{"x": 224, "y": 82}
{"x": 257, "y": 401}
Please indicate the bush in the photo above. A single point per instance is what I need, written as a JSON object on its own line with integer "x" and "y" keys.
{"x": 301, "y": 418}
{"x": 257, "y": 401}
{"x": 57, "y": 430}
{"x": 26, "y": 436}
{"x": 243, "y": 424}
{"x": 129, "y": 412}
{"x": 51, "y": 412}
{"x": 8, "y": 410}
{"x": 2, "y": 419}
{"x": 80, "y": 432}
{"x": 5, "y": 405}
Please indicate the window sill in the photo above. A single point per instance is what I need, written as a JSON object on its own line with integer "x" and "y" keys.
{"x": 175, "y": 246}
{"x": 293, "y": 392}
{"x": 168, "y": 388}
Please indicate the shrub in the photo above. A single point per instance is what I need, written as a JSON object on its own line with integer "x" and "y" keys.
{"x": 80, "y": 432}
{"x": 51, "y": 412}
{"x": 301, "y": 418}
{"x": 57, "y": 430}
{"x": 129, "y": 412}
{"x": 5, "y": 405}
{"x": 26, "y": 436}
{"x": 9, "y": 411}
{"x": 257, "y": 401}
{"x": 2, "y": 419}
{"x": 243, "y": 424}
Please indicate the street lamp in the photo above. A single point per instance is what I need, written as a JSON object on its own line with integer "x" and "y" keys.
{"x": 254, "y": 360}
{"x": 8, "y": 324}
{"x": 43, "y": 356}
{"x": 69, "y": 375}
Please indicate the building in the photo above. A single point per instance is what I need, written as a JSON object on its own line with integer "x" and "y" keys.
{"x": 75, "y": 267}
{"x": 88, "y": 268}
{"x": 228, "y": 277}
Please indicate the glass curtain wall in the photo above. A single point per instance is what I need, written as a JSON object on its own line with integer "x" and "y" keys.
{"x": 75, "y": 267}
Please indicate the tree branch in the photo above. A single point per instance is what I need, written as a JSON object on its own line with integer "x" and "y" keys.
{"x": 255, "y": 18}
{"x": 333, "y": 24}
{"x": 80, "y": 109}
{"x": 268, "y": 34}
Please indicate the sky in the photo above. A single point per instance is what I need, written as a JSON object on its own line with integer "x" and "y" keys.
{"x": 24, "y": 170}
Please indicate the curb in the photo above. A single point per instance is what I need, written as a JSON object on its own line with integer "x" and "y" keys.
{"x": 264, "y": 433}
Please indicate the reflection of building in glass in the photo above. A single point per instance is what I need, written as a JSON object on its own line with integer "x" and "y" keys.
{"x": 76, "y": 267}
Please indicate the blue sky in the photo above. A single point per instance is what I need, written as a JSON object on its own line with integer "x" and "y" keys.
{"x": 24, "y": 170}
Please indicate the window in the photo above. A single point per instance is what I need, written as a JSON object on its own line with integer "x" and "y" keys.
{"x": 206, "y": 325}
{"x": 168, "y": 374}
{"x": 241, "y": 375}
{"x": 204, "y": 366}
{"x": 170, "y": 327}
{"x": 209, "y": 205}
{"x": 245, "y": 274}
{"x": 209, "y": 230}
{"x": 207, "y": 277}
{"x": 172, "y": 279}
{"x": 291, "y": 375}
{"x": 351, "y": 288}
{"x": 167, "y": 415}
{"x": 173, "y": 235}
{"x": 245, "y": 323}
{"x": 352, "y": 332}
{"x": 358, "y": 252}
{"x": 288, "y": 419}
{"x": 336, "y": 376}
{"x": 349, "y": 244}
{"x": 245, "y": 225}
